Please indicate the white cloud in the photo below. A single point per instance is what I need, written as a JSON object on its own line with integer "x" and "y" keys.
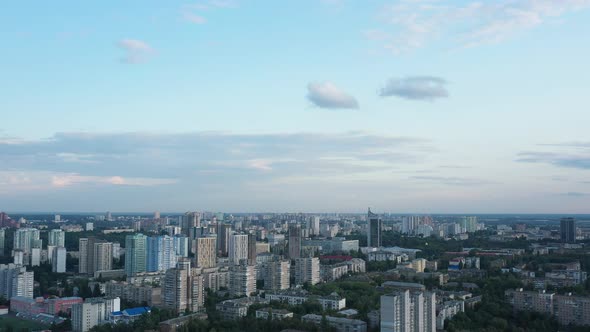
{"x": 194, "y": 18}
{"x": 67, "y": 180}
{"x": 136, "y": 51}
{"x": 410, "y": 24}
{"x": 416, "y": 88}
{"x": 328, "y": 95}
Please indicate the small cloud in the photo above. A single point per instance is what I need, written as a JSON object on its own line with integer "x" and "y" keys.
{"x": 223, "y": 3}
{"x": 575, "y": 194}
{"x": 327, "y": 95}
{"x": 452, "y": 181}
{"x": 136, "y": 51}
{"x": 67, "y": 180}
{"x": 194, "y": 18}
{"x": 426, "y": 88}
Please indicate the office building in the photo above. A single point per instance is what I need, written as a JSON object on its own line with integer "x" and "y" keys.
{"x": 374, "y": 227}
{"x": 58, "y": 262}
{"x": 93, "y": 312}
{"x": 183, "y": 288}
{"x": 242, "y": 279}
{"x": 568, "y": 230}
{"x": 15, "y": 281}
{"x": 307, "y": 270}
{"x": 161, "y": 254}
{"x": 405, "y": 311}
{"x": 56, "y": 237}
{"x": 26, "y": 239}
{"x": 294, "y": 241}
{"x": 135, "y": 254}
{"x": 205, "y": 252}
{"x": 238, "y": 248}
{"x": 276, "y": 274}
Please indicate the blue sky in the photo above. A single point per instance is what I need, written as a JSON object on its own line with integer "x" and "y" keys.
{"x": 334, "y": 105}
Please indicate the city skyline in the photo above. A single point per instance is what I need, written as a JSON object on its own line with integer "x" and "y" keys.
{"x": 410, "y": 106}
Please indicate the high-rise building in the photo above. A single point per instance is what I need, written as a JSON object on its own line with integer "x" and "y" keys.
{"x": 15, "y": 281}
{"x": 2, "y": 241}
{"x": 92, "y": 312}
{"x": 223, "y": 236}
{"x": 251, "y": 249}
{"x": 242, "y": 279}
{"x": 26, "y": 238}
{"x": 83, "y": 256}
{"x": 135, "y": 254}
{"x": 375, "y": 225}
{"x": 161, "y": 254}
{"x": 57, "y": 218}
{"x": 35, "y": 256}
{"x": 58, "y": 261}
{"x": 468, "y": 224}
{"x": 408, "y": 311}
{"x": 238, "y": 248}
{"x": 157, "y": 215}
{"x": 276, "y": 274}
{"x": 181, "y": 245}
{"x": 568, "y": 230}
{"x": 56, "y": 237}
{"x": 205, "y": 252}
{"x": 103, "y": 257}
{"x": 307, "y": 270}
{"x": 109, "y": 216}
{"x": 183, "y": 288}
{"x": 294, "y": 241}
{"x": 313, "y": 225}
{"x": 95, "y": 255}
{"x": 190, "y": 220}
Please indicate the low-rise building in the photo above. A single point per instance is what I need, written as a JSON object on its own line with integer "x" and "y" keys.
{"x": 297, "y": 297}
{"x": 40, "y": 305}
{"x": 341, "y": 324}
{"x": 237, "y": 308}
{"x": 264, "y": 313}
{"x": 152, "y": 296}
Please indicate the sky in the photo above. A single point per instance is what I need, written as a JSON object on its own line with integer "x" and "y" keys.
{"x": 407, "y": 106}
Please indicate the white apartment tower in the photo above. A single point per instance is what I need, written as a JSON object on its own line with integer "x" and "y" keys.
{"x": 242, "y": 279}
{"x": 405, "y": 311}
{"x": 307, "y": 270}
{"x": 238, "y": 248}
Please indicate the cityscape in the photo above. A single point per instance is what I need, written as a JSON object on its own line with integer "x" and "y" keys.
{"x": 295, "y": 166}
{"x": 200, "y": 271}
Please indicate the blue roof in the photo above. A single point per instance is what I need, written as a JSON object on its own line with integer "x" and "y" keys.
{"x": 116, "y": 313}
{"x": 136, "y": 311}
